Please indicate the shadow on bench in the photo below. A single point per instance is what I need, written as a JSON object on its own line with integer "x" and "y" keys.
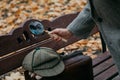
{"x": 19, "y": 42}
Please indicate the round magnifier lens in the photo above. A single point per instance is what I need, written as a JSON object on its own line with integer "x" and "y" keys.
{"x": 36, "y": 28}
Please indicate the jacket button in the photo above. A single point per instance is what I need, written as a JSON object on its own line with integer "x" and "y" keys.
{"x": 99, "y": 19}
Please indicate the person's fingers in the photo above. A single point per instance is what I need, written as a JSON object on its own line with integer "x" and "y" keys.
{"x": 57, "y": 31}
{"x": 60, "y": 34}
{"x": 58, "y": 39}
{"x": 55, "y": 37}
{"x": 54, "y": 31}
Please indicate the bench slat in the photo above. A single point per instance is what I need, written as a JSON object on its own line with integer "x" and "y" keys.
{"x": 102, "y": 67}
{"x": 101, "y": 58}
{"x": 107, "y": 74}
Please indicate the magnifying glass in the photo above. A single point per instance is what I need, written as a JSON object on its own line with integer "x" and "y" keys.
{"x": 37, "y": 28}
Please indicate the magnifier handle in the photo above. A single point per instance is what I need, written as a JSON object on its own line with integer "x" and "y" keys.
{"x": 56, "y": 36}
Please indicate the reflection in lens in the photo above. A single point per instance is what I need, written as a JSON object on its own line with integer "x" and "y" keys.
{"x": 36, "y": 28}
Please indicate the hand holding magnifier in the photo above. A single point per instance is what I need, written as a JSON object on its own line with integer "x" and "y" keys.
{"x": 37, "y": 29}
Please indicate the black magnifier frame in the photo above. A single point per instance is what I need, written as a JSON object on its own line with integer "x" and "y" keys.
{"x": 36, "y": 28}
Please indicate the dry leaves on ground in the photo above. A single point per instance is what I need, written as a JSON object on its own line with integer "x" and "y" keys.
{"x": 14, "y": 12}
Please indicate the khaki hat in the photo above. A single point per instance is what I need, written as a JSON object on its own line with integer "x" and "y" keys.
{"x": 44, "y": 62}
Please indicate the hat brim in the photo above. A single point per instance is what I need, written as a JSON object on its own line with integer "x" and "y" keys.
{"x": 51, "y": 72}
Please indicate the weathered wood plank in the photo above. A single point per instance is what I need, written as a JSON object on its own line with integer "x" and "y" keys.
{"x": 107, "y": 74}
{"x": 102, "y": 67}
{"x": 101, "y": 58}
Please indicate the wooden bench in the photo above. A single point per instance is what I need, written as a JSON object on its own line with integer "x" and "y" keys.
{"x": 19, "y": 42}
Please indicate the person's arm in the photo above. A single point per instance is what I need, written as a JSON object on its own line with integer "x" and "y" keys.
{"x": 82, "y": 25}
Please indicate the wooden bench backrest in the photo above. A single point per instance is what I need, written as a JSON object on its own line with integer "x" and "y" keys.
{"x": 19, "y": 42}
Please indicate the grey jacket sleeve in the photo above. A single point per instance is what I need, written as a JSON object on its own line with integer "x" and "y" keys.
{"x": 82, "y": 25}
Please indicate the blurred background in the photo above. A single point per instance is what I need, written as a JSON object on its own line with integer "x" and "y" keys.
{"x": 14, "y": 12}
